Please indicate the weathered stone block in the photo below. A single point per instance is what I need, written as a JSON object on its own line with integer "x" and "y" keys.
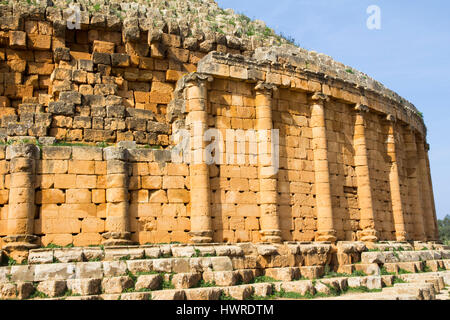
{"x": 116, "y": 284}
{"x": 52, "y": 288}
{"x": 186, "y": 280}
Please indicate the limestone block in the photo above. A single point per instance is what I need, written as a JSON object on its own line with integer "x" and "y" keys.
{"x": 369, "y": 269}
{"x": 56, "y": 153}
{"x": 136, "y": 296}
{"x": 39, "y": 41}
{"x": 186, "y": 280}
{"x": 84, "y": 286}
{"x": 246, "y": 276}
{"x": 302, "y": 287}
{"x": 24, "y": 290}
{"x": 221, "y": 263}
{"x": 355, "y": 282}
{"x": 205, "y": 250}
{"x": 262, "y": 289}
{"x": 242, "y": 292}
{"x": 22, "y": 273}
{"x": 180, "y": 265}
{"x": 87, "y": 153}
{"x": 89, "y": 270}
{"x": 169, "y": 295}
{"x": 8, "y": 291}
{"x": 61, "y": 108}
{"x": 373, "y": 257}
{"x": 387, "y": 281}
{"x": 129, "y": 254}
{"x": 312, "y": 272}
{"x": 183, "y": 251}
{"x": 203, "y": 294}
{"x": 229, "y": 250}
{"x": 374, "y": 282}
{"x": 148, "y": 282}
{"x": 267, "y": 250}
{"x": 162, "y": 265}
{"x": 221, "y": 278}
{"x": 322, "y": 288}
{"x": 55, "y": 271}
{"x": 103, "y": 46}
{"x": 282, "y": 274}
{"x": 17, "y": 39}
{"x": 5, "y": 273}
{"x": 52, "y": 288}
{"x": 135, "y": 266}
{"x": 153, "y": 252}
{"x": 93, "y": 254}
{"x": 39, "y": 256}
{"x": 200, "y": 264}
{"x": 316, "y": 254}
{"x": 114, "y": 268}
{"x": 68, "y": 255}
{"x": 116, "y": 284}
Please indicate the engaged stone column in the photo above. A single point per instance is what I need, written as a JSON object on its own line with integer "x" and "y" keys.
{"x": 415, "y": 194}
{"x": 365, "y": 199}
{"x": 117, "y": 220}
{"x": 428, "y": 214}
{"x": 267, "y": 173}
{"x": 394, "y": 180}
{"x": 325, "y": 223}
{"x": 21, "y": 206}
{"x": 201, "y": 223}
{"x": 430, "y": 183}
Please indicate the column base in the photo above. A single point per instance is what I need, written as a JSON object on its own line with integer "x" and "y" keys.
{"x": 326, "y": 236}
{"x": 367, "y": 235}
{"x": 117, "y": 239}
{"x": 400, "y": 236}
{"x": 201, "y": 236}
{"x": 17, "y": 247}
{"x": 271, "y": 236}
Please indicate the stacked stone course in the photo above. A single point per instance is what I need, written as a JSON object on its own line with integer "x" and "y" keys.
{"x": 353, "y": 162}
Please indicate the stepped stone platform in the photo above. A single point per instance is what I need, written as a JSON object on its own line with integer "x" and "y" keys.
{"x": 293, "y": 270}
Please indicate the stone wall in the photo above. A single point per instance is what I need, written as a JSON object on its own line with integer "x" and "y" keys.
{"x": 353, "y": 161}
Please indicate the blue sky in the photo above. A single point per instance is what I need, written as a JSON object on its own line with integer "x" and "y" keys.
{"x": 410, "y": 55}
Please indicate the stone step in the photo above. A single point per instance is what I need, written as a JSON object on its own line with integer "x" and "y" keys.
{"x": 309, "y": 252}
{"x": 116, "y": 288}
{"x": 64, "y": 255}
{"x": 421, "y": 291}
{"x": 403, "y": 256}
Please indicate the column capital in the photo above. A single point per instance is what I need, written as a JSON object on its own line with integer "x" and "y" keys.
{"x": 362, "y": 108}
{"x": 391, "y": 118}
{"x": 197, "y": 79}
{"x": 319, "y": 97}
{"x": 22, "y": 151}
{"x": 265, "y": 88}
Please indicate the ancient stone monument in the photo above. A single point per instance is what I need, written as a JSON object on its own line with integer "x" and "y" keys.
{"x": 93, "y": 97}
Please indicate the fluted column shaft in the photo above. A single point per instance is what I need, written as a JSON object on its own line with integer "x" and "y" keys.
{"x": 21, "y": 205}
{"x": 414, "y": 188}
{"x": 201, "y": 222}
{"x": 365, "y": 197}
{"x": 117, "y": 218}
{"x": 394, "y": 180}
{"x": 268, "y": 194}
{"x": 325, "y": 223}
